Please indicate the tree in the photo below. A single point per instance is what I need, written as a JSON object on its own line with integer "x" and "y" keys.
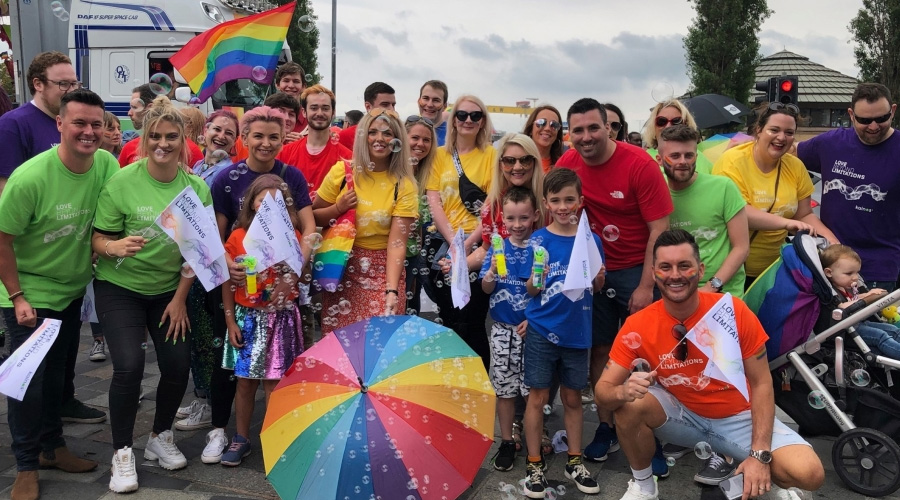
{"x": 304, "y": 43}
{"x": 722, "y": 47}
{"x": 876, "y": 31}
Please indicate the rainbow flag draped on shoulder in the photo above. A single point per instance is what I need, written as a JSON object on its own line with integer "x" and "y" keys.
{"x": 242, "y": 48}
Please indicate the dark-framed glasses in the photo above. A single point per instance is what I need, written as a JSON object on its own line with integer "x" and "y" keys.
{"x": 66, "y": 85}
{"x": 662, "y": 121}
{"x": 878, "y": 119}
{"x": 476, "y": 116}
{"x": 509, "y": 162}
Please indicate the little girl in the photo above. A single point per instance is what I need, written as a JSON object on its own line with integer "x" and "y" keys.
{"x": 263, "y": 341}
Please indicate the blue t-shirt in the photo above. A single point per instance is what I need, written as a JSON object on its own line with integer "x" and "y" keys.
{"x": 441, "y": 132}
{"x": 26, "y": 132}
{"x": 510, "y": 296}
{"x": 552, "y": 314}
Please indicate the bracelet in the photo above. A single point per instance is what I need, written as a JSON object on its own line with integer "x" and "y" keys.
{"x": 17, "y": 294}
{"x": 106, "y": 249}
{"x": 389, "y": 290}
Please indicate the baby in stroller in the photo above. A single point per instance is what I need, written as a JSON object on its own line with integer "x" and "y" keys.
{"x": 841, "y": 265}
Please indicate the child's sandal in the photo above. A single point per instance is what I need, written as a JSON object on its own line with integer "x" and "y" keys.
{"x": 546, "y": 443}
{"x": 517, "y": 434}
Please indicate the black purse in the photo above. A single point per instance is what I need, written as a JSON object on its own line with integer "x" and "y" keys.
{"x": 471, "y": 195}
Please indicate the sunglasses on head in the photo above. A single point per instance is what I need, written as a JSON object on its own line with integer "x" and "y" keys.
{"x": 878, "y": 119}
{"x": 616, "y": 126}
{"x": 662, "y": 121}
{"x": 376, "y": 112}
{"x": 509, "y": 162}
{"x": 414, "y": 119}
{"x": 679, "y": 331}
{"x": 789, "y": 107}
{"x": 476, "y": 116}
{"x": 543, "y": 122}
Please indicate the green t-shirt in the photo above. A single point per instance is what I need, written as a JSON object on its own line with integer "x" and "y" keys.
{"x": 129, "y": 205}
{"x": 49, "y": 209}
{"x": 704, "y": 209}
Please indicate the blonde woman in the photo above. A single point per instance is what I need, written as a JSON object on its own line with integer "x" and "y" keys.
{"x": 422, "y": 147}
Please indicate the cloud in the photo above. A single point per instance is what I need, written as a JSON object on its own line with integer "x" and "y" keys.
{"x": 829, "y": 51}
{"x": 399, "y": 39}
{"x": 349, "y": 42}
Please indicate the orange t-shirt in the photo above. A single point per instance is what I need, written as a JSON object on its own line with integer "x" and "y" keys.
{"x": 703, "y": 395}
{"x": 545, "y": 164}
{"x": 265, "y": 278}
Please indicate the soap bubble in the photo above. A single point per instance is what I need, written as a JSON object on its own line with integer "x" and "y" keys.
{"x": 258, "y": 74}
{"x": 160, "y": 84}
{"x": 632, "y": 340}
{"x": 195, "y": 101}
{"x": 233, "y": 175}
{"x": 860, "y": 377}
{"x": 217, "y": 342}
{"x": 319, "y": 266}
{"x": 662, "y": 91}
{"x": 610, "y": 233}
{"x": 611, "y": 293}
{"x": 314, "y": 240}
{"x": 227, "y": 189}
{"x": 186, "y": 271}
{"x": 573, "y": 219}
{"x": 306, "y": 24}
{"x": 144, "y": 346}
{"x": 640, "y": 365}
{"x": 561, "y": 489}
{"x": 547, "y": 409}
{"x": 550, "y": 493}
{"x": 138, "y": 105}
{"x": 396, "y": 145}
{"x": 344, "y": 307}
{"x": 308, "y": 78}
{"x": 670, "y": 462}
{"x": 816, "y": 399}
{"x": 703, "y": 450}
{"x": 371, "y": 415}
{"x": 218, "y": 155}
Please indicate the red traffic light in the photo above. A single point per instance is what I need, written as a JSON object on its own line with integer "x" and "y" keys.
{"x": 787, "y": 85}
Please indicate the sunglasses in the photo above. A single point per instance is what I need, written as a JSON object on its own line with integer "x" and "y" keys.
{"x": 789, "y": 107}
{"x": 476, "y": 116}
{"x": 509, "y": 162}
{"x": 543, "y": 122}
{"x": 679, "y": 331}
{"x": 662, "y": 121}
{"x": 414, "y": 119}
{"x": 616, "y": 125}
{"x": 878, "y": 119}
{"x": 376, "y": 112}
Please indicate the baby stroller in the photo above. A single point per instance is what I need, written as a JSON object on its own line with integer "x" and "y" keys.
{"x": 810, "y": 371}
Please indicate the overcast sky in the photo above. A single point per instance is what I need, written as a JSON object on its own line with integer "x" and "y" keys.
{"x": 509, "y": 50}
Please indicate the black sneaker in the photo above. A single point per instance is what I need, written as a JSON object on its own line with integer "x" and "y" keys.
{"x": 535, "y": 483}
{"x": 505, "y": 456}
{"x": 76, "y": 411}
{"x": 715, "y": 470}
{"x": 577, "y": 472}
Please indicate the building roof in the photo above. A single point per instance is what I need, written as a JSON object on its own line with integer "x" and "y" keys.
{"x": 816, "y": 83}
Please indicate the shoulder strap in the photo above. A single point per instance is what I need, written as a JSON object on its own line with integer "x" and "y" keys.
{"x": 396, "y": 188}
{"x": 457, "y": 163}
{"x": 284, "y": 167}
{"x": 348, "y": 170}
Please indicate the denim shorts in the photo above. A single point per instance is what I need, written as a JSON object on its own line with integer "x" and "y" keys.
{"x": 544, "y": 358}
{"x": 728, "y": 436}
{"x": 610, "y": 305}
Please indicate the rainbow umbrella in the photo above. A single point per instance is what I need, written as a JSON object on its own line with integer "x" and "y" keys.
{"x": 337, "y": 243}
{"x": 389, "y": 407}
{"x": 712, "y": 148}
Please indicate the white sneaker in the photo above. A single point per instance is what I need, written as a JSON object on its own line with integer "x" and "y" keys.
{"x": 162, "y": 448}
{"x": 98, "y": 351}
{"x": 187, "y": 411}
{"x": 200, "y": 419}
{"x": 635, "y": 492}
{"x": 123, "y": 476}
{"x": 216, "y": 442}
{"x": 779, "y": 493}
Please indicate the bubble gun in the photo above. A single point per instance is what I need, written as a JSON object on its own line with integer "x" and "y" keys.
{"x": 540, "y": 260}
{"x": 497, "y": 244}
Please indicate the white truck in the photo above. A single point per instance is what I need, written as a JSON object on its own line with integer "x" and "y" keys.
{"x": 118, "y": 45}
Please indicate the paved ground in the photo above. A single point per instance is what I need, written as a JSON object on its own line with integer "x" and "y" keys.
{"x": 199, "y": 481}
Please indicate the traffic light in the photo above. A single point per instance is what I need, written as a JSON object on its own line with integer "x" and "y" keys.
{"x": 786, "y": 90}
{"x": 767, "y": 86}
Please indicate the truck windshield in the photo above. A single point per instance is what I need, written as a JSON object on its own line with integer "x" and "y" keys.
{"x": 243, "y": 92}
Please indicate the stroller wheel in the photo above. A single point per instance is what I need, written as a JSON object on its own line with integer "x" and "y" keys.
{"x": 868, "y": 461}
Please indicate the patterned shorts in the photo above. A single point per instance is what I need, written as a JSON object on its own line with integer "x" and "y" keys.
{"x": 507, "y": 369}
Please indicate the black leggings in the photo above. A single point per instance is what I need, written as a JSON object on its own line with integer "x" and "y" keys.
{"x": 126, "y": 316}
{"x": 222, "y": 384}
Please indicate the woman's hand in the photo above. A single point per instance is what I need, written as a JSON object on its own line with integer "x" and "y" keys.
{"x": 176, "y": 313}
{"x": 128, "y": 246}
{"x": 390, "y": 303}
{"x": 346, "y": 201}
{"x": 794, "y": 226}
{"x": 234, "y": 335}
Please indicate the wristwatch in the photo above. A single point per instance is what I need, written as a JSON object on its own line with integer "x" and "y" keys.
{"x": 715, "y": 283}
{"x": 763, "y": 456}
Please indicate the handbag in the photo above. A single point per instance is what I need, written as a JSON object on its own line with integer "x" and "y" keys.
{"x": 337, "y": 242}
{"x": 471, "y": 195}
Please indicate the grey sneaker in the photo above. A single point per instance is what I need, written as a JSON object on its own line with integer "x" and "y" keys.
{"x": 715, "y": 470}
{"x": 98, "y": 351}
{"x": 670, "y": 450}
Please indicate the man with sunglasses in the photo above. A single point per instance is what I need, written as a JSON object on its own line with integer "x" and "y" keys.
{"x": 31, "y": 128}
{"x": 686, "y": 406}
{"x": 432, "y": 100}
{"x": 861, "y": 182}
{"x": 376, "y": 95}
{"x": 628, "y": 206}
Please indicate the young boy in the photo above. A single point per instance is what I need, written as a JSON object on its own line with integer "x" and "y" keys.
{"x": 508, "y": 300}
{"x": 842, "y": 264}
{"x": 558, "y": 337}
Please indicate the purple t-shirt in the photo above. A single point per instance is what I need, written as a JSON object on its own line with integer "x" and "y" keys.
{"x": 228, "y": 188}
{"x": 26, "y": 132}
{"x": 860, "y": 196}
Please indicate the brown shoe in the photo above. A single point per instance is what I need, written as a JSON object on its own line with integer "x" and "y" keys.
{"x": 63, "y": 459}
{"x": 26, "y": 486}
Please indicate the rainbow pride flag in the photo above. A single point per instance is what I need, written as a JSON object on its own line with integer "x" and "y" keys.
{"x": 242, "y": 48}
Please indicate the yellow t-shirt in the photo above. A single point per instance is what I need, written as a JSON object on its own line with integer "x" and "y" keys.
{"x": 478, "y": 165}
{"x": 758, "y": 189}
{"x": 376, "y": 206}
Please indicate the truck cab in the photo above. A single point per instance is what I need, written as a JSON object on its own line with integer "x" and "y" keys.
{"x": 117, "y": 45}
